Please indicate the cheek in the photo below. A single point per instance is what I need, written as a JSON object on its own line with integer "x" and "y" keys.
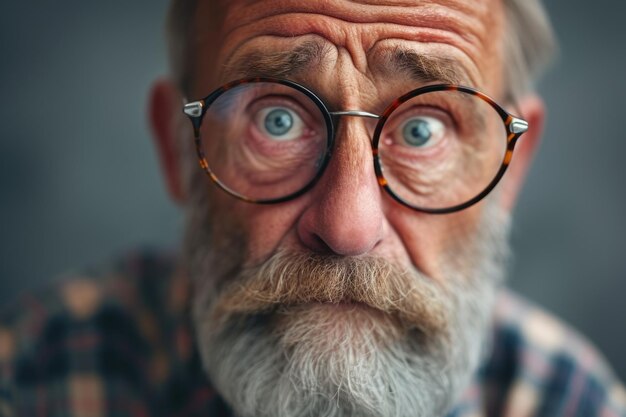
{"x": 267, "y": 228}
{"x": 436, "y": 243}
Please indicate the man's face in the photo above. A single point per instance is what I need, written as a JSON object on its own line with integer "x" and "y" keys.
{"x": 346, "y": 213}
{"x": 343, "y": 301}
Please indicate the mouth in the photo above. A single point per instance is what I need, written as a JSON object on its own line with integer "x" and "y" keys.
{"x": 345, "y": 322}
{"x": 344, "y": 305}
{"x": 343, "y": 311}
{"x": 349, "y": 305}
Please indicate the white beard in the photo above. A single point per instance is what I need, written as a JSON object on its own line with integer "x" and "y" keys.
{"x": 317, "y": 360}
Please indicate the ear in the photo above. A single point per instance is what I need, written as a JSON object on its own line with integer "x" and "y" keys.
{"x": 533, "y": 111}
{"x": 165, "y": 114}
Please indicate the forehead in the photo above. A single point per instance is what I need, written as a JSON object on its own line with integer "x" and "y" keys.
{"x": 235, "y": 37}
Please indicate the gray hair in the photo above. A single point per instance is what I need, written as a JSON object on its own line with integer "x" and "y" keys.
{"x": 529, "y": 43}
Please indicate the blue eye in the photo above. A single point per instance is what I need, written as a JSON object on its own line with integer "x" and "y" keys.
{"x": 279, "y": 123}
{"x": 420, "y": 131}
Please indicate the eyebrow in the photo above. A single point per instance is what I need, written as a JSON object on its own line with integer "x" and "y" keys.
{"x": 281, "y": 64}
{"x": 421, "y": 68}
{"x": 425, "y": 68}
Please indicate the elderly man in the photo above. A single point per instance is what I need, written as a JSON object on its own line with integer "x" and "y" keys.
{"x": 345, "y": 250}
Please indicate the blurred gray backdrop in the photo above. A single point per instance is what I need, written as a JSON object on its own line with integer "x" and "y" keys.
{"x": 79, "y": 179}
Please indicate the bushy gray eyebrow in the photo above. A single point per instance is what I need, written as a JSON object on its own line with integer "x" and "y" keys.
{"x": 397, "y": 63}
{"x": 277, "y": 64}
{"x": 425, "y": 68}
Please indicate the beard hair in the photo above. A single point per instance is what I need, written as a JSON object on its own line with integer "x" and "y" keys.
{"x": 270, "y": 354}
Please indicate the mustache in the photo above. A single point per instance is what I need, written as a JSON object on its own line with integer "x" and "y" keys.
{"x": 289, "y": 279}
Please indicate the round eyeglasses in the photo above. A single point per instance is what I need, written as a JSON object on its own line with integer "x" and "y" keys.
{"x": 436, "y": 149}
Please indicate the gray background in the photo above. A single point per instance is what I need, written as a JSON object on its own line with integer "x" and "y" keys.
{"x": 79, "y": 180}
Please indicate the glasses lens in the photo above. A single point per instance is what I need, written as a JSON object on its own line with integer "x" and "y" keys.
{"x": 441, "y": 149}
{"x": 264, "y": 140}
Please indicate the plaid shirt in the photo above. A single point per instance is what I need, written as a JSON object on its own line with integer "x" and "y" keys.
{"x": 122, "y": 345}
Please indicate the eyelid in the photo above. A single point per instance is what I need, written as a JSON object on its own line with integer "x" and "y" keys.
{"x": 424, "y": 110}
{"x": 290, "y": 103}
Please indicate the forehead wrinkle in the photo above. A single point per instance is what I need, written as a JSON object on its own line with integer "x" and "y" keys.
{"x": 471, "y": 24}
{"x": 470, "y": 29}
{"x": 466, "y": 20}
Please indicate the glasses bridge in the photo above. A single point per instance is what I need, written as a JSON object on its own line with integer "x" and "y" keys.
{"x": 355, "y": 113}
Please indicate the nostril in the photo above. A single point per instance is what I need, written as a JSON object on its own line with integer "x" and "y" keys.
{"x": 319, "y": 246}
{"x": 337, "y": 239}
{"x": 343, "y": 222}
{"x": 333, "y": 239}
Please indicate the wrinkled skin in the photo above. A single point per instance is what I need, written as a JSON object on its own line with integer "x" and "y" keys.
{"x": 347, "y": 213}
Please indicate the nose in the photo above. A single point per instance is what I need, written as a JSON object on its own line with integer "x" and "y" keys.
{"x": 345, "y": 216}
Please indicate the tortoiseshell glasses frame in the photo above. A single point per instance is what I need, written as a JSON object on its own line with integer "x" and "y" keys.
{"x": 513, "y": 126}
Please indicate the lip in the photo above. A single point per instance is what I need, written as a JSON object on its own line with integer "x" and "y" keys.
{"x": 343, "y": 306}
